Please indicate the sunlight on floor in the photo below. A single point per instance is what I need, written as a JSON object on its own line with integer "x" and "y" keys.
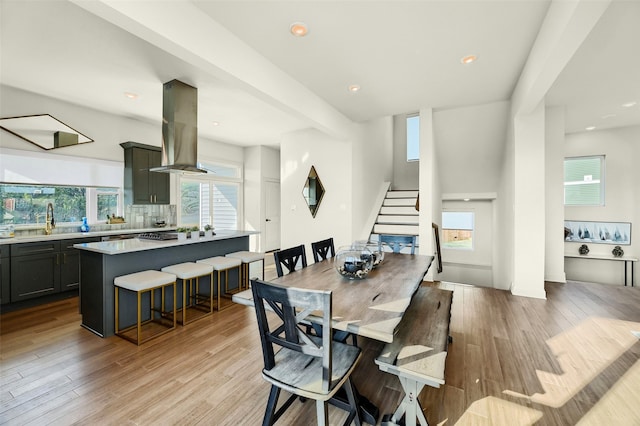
{"x": 583, "y": 352}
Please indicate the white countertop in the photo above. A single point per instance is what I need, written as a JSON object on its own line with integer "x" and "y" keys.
{"x": 135, "y": 244}
{"x": 71, "y": 235}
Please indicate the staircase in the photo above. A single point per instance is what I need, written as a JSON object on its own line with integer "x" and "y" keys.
{"x": 398, "y": 215}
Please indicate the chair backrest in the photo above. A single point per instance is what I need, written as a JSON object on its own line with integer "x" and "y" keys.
{"x": 323, "y": 249}
{"x": 398, "y": 242}
{"x": 290, "y": 258}
{"x": 292, "y": 306}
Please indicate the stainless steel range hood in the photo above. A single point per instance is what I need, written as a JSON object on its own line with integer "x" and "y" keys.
{"x": 179, "y": 129}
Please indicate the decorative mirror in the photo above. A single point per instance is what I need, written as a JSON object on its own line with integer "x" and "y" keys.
{"x": 313, "y": 191}
{"x": 43, "y": 130}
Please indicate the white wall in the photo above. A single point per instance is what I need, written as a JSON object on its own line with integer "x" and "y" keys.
{"x": 333, "y": 162}
{"x": 372, "y": 165}
{"x": 351, "y": 171}
{"x": 621, "y": 148}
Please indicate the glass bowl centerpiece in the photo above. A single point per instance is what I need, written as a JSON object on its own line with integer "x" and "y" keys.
{"x": 353, "y": 262}
{"x": 377, "y": 252}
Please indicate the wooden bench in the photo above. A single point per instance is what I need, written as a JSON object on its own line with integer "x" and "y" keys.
{"x": 418, "y": 352}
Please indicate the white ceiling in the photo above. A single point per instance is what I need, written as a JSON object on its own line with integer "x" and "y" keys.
{"x": 404, "y": 55}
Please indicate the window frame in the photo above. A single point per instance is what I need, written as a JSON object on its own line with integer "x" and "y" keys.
{"x": 212, "y": 179}
{"x": 443, "y": 241}
{"x": 410, "y": 142}
{"x": 601, "y": 181}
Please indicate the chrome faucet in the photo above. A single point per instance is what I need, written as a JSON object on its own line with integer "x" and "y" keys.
{"x": 50, "y": 221}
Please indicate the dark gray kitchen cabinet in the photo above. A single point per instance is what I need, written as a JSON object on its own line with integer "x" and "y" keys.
{"x": 70, "y": 263}
{"x": 142, "y": 186}
{"x": 42, "y": 268}
{"x": 35, "y": 270}
{"x": 5, "y": 277}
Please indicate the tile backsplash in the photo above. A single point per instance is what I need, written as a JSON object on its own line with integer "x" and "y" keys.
{"x": 144, "y": 216}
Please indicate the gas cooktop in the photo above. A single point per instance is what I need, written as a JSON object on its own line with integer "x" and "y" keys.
{"x": 158, "y": 236}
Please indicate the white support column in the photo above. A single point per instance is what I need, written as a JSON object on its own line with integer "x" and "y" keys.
{"x": 429, "y": 196}
{"x": 529, "y": 204}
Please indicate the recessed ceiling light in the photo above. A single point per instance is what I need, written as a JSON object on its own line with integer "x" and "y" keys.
{"x": 299, "y": 29}
{"x": 466, "y": 199}
{"x": 468, "y": 59}
{"x": 606, "y": 116}
{"x": 590, "y": 128}
{"x": 215, "y": 123}
{"x": 354, "y": 88}
{"x": 131, "y": 95}
{"x": 630, "y": 104}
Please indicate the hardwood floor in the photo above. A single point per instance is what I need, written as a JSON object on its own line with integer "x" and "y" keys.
{"x": 571, "y": 359}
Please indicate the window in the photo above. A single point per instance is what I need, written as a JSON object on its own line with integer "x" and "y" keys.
{"x": 457, "y": 230}
{"x": 27, "y": 204}
{"x": 584, "y": 181}
{"x": 413, "y": 137}
{"x": 212, "y": 199}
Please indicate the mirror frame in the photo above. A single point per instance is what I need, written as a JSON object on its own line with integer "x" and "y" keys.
{"x": 39, "y": 130}
{"x": 312, "y": 176}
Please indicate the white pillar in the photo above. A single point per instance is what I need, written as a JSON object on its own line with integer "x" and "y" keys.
{"x": 529, "y": 204}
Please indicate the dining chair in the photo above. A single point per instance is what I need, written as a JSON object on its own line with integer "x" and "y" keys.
{"x": 398, "y": 242}
{"x": 290, "y": 258}
{"x": 323, "y": 249}
{"x": 305, "y": 365}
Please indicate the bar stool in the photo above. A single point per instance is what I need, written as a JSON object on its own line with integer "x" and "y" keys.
{"x": 140, "y": 283}
{"x": 220, "y": 264}
{"x": 195, "y": 305}
{"x": 247, "y": 257}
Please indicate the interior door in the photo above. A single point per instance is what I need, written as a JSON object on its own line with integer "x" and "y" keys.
{"x": 272, "y": 216}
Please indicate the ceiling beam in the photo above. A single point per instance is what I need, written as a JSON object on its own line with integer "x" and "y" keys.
{"x": 565, "y": 27}
{"x": 183, "y": 30}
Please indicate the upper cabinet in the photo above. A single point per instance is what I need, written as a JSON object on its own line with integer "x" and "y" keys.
{"x": 142, "y": 186}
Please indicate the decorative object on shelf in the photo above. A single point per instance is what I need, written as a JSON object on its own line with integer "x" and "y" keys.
{"x": 353, "y": 262}
{"x": 583, "y": 249}
{"x": 378, "y": 255}
{"x": 85, "y": 226}
{"x": 114, "y": 219}
{"x": 208, "y": 231}
{"x": 182, "y": 233}
{"x": 617, "y": 251}
{"x": 195, "y": 232}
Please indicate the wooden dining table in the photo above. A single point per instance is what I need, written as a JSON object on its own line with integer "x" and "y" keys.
{"x": 371, "y": 307}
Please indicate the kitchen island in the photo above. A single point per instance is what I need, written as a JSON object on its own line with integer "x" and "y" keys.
{"x": 101, "y": 262}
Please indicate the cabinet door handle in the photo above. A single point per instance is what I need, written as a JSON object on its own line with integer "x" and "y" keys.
{"x": 155, "y": 198}
{"x": 150, "y": 198}
{"x": 57, "y": 258}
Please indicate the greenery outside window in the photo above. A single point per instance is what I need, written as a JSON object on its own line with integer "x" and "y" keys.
{"x": 26, "y": 205}
{"x": 584, "y": 181}
{"x": 457, "y": 230}
{"x": 413, "y": 137}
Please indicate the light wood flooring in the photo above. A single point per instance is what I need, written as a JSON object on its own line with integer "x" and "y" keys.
{"x": 571, "y": 359}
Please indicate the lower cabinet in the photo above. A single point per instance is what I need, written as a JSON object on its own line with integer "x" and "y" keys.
{"x": 39, "y": 269}
{"x": 5, "y": 276}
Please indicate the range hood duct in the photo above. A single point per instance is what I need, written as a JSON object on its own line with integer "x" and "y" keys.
{"x": 179, "y": 129}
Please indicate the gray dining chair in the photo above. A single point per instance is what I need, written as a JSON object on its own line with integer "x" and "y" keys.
{"x": 323, "y": 249}
{"x": 305, "y": 365}
{"x": 398, "y": 242}
{"x": 290, "y": 258}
